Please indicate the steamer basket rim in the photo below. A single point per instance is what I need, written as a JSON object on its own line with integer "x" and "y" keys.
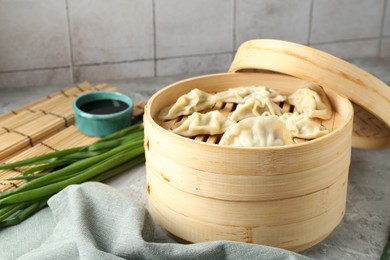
{"x": 149, "y": 117}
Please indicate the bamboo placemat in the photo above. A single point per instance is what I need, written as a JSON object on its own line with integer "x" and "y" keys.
{"x": 40, "y": 127}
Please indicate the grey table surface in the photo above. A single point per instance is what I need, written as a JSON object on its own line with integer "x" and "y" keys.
{"x": 365, "y": 227}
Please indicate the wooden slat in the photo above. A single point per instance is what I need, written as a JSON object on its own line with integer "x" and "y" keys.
{"x": 11, "y": 143}
{"x": 6, "y": 116}
{"x": 72, "y": 91}
{"x": 35, "y": 103}
{"x": 41, "y": 128}
{"x": 68, "y": 138}
{"x": 3, "y": 131}
{"x": 6, "y": 184}
{"x": 63, "y": 110}
{"x": 22, "y": 118}
{"x": 85, "y": 86}
{"x": 30, "y": 152}
{"x": 51, "y": 103}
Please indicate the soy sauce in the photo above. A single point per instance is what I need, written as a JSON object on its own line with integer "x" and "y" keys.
{"x": 104, "y": 106}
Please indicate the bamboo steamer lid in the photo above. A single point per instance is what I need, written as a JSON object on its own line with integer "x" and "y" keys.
{"x": 371, "y": 96}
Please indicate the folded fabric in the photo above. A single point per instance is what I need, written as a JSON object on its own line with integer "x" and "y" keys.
{"x": 95, "y": 221}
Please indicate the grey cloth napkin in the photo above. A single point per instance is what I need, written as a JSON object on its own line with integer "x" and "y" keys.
{"x": 95, "y": 221}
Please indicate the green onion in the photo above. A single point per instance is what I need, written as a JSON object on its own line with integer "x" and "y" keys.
{"x": 45, "y": 167}
{"x": 10, "y": 210}
{"x": 40, "y": 158}
{"x": 124, "y": 132}
{"x": 24, "y": 213}
{"x": 28, "y": 177}
{"x": 121, "y": 168}
{"x": 386, "y": 251}
{"x": 72, "y": 168}
{"x": 85, "y": 175}
{"x": 54, "y": 171}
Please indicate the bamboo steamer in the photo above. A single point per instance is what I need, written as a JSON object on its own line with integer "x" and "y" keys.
{"x": 370, "y": 95}
{"x": 288, "y": 196}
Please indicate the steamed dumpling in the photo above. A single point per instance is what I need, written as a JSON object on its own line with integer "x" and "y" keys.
{"x": 300, "y": 125}
{"x": 258, "y": 131}
{"x": 312, "y": 100}
{"x": 255, "y": 106}
{"x": 195, "y": 100}
{"x": 210, "y": 123}
{"x": 238, "y": 95}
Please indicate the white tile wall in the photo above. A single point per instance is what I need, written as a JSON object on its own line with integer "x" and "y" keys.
{"x": 61, "y": 76}
{"x": 386, "y": 27}
{"x": 196, "y": 64}
{"x": 350, "y": 49}
{"x": 114, "y": 31}
{"x": 385, "y": 48}
{"x": 33, "y": 35}
{"x": 337, "y": 20}
{"x": 116, "y": 71}
{"x": 276, "y": 19}
{"x": 67, "y": 41}
{"x": 193, "y": 27}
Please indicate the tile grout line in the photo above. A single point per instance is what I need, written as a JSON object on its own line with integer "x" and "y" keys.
{"x": 382, "y": 28}
{"x": 234, "y": 25}
{"x": 112, "y": 62}
{"x": 347, "y": 41}
{"x": 154, "y": 38}
{"x": 163, "y": 58}
{"x": 70, "y": 41}
{"x": 310, "y": 22}
{"x": 118, "y": 62}
{"x": 194, "y": 55}
{"x": 35, "y": 69}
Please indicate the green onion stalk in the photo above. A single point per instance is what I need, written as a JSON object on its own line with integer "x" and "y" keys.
{"x": 386, "y": 251}
{"x": 49, "y": 173}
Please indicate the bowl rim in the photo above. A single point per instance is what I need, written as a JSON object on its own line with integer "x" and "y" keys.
{"x": 102, "y": 95}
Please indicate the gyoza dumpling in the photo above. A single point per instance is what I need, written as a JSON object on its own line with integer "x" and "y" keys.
{"x": 312, "y": 100}
{"x": 238, "y": 95}
{"x": 210, "y": 123}
{"x": 300, "y": 125}
{"x": 195, "y": 100}
{"x": 255, "y": 106}
{"x": 258, "y": 131}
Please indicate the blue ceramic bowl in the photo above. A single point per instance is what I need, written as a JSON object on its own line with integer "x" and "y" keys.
{"x": 102, "y": 113}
